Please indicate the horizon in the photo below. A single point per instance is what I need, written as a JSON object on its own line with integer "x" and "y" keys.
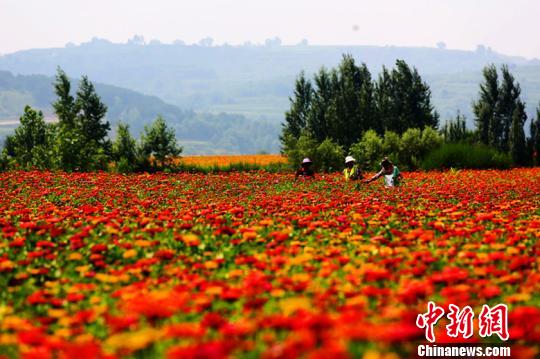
{"x": 459, "y": 25}
{"x": 158, "y": 42}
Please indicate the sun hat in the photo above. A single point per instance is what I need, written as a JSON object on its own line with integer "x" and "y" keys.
{"x": 306, "y": 160}
{"x": 349, "y": 159}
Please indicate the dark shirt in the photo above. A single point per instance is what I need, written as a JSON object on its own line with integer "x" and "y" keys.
{"x": 305, "y": 172}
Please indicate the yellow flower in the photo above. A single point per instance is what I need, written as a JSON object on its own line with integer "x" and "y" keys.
{"x": 75, "y": 257}
{"x": 130, "y": 253}
{"x": 291, "y": 305}
{"x": 134, "y": 340}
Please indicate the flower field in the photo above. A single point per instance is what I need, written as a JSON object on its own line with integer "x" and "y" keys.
{"x": 257, "y": 265}
{"x": 225, "y": 160}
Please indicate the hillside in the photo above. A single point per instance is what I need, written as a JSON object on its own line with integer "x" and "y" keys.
{"x": 197, "y": 132}
{"x": 256, "y": 80}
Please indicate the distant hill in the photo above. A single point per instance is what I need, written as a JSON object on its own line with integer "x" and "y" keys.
{"x": 256, "y": 80}
{"x": 197, "y": 132}
{"x": 249, "y": 83}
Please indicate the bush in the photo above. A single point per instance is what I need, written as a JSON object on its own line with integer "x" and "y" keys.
{"x": 369, "y": 150}
{"x": 462, "y": 155}
{"x": 159, "y": 142}
{"x": 327, "y": 156}
{"x": 391, "y": 145}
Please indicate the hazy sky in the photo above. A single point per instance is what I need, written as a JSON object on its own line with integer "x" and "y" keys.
{"x": 508, "y": 26}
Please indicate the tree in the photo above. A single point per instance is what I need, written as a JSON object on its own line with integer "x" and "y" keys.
{"x": 159, "y": 142}
{"x": 354, "y": 93}
{"x": 31, "y": 143}
{"x": 297, "y": 117}
{"x": 535, "y": 138}
{"x": 64, "y": 106}
{"x": 517, "y": 144}
{"x": 80, "y": 137}
{"x": 508, "y": 101}
{"x": 318, "y": 116}
{"x": 485, "y": 108}
{"x": 404, "y": 99}
{"x": 124, "y": 149}
{"x": 91, "y": 113}
{"x": 455, "y": 130}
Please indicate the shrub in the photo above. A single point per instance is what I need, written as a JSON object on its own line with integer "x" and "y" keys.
{"x": 329, "y": 156}
{"x": 462, "y": 155}
{"x": 159, "y": 142}
{"x": 369, "y": 150}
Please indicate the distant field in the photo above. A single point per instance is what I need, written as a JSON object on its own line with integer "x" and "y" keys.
{"x": 225, "y": 160}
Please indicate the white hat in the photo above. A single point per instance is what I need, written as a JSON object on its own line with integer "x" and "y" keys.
{"x": 349, "y": 159}
{"x": 306, "y": 160}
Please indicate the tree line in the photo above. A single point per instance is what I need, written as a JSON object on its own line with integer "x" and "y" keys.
{"x": 345, "y": 111}
{"x": 80, "y": 140}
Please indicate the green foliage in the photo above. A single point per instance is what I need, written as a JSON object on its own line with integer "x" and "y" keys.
{"x": 345, "y": 104}
{"x": 463, "y": 155}
{"x": 326, "y": 156}
{"x": 159, "y": 142}
{"x": 391, "y": 145}
{"x": 296, "y": 117}
{"x": 406, "y": 150}
{"x": 329, "y": 156}
{"x": 80, "y": 141}
{"x": 91, "y": 113}
{"x": 65, "y": 106}
{"x": 404, "y": 99}
{"x": 494, "y": 110}
{"x": 411, "y": 148}
{"x": 517, "y": 142}
{"x": 369, "y": 150}
{"x": 124, "y": 150}
{"x": 456, "y": 130}
{"x": 297, "y": 149}
{"x": 30, "y": 145}
{"x": 535, "y": 138}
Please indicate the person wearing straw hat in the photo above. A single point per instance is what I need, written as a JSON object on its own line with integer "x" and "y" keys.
{"x": 352, "y": 171}
{"x": 391, "y": 174}
{"x": 305, "y": 170}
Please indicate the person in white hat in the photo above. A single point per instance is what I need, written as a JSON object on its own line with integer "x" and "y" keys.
{"x": 305, "y": 170}
{"x": 392, "y": 176}
{"x": 352, "y": 171}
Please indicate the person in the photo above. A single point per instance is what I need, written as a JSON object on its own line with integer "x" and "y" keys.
{"x": 391, "y": 174}
{"x": 305, "y": 170}
{"x": 352, "y": 171}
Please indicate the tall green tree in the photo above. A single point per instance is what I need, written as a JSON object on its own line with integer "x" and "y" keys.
{"x": 485, "y": 107}
{"x": 355, "y": 101}
{"x": 517, "y": 142}
{"x": 64, "y": 106}
{"x": 508, "y": 102}
{"x": 404, "y": 100}
{"x": 535, "y": 138}
{"x": 318, "y": 120}
{"x": 80, "y": 136}
{"x": 296, "y": 118}
{"x": 91, "y": 113}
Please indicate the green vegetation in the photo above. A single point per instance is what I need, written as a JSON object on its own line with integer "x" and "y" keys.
{"x": 79, "y": 142}
{"x": 464, "y": 155}
{"x": 347, "y": 112}
{"x": 393, "y": 116}
{"x": 200, "y": 132}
